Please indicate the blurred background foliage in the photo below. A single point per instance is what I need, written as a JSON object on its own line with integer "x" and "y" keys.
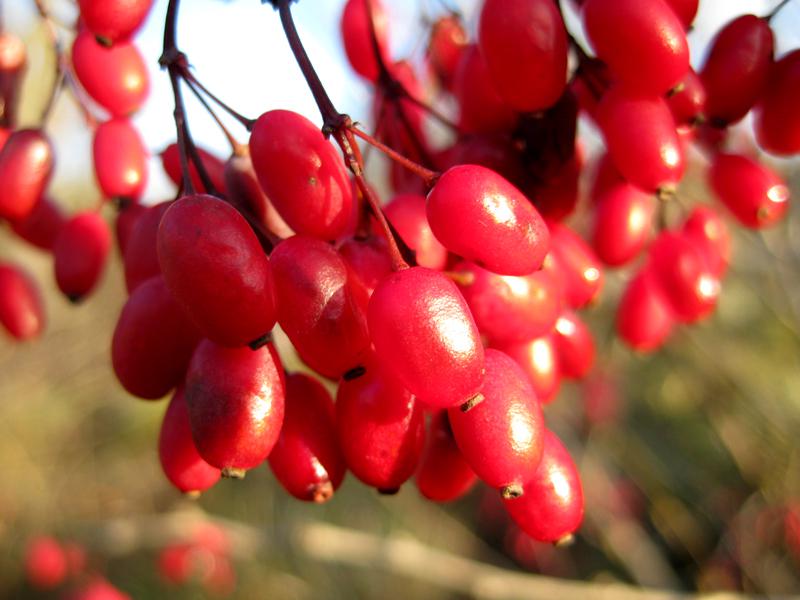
{"x": 689, "y": 457}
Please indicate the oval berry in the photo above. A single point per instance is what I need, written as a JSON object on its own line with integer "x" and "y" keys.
{"x": 368, "y": 260}
{"x": 140, "y": 258}
{"x": 360, "y": 43}
{"x": 302, "y": 174}
{"x": 481, "y": 109}
{"x": 446, "y": 44}
{"x": 623, "y": 219}
{"x": 443, "y": 474}
{"x": 42, "y": 224}
{"x": 80, "y": 253}
{"x": 216, "y": 270}
{"x": 21, "y": 309}
{"x": 538, "y": 359}
{"x": 306, "y": 458}
{"x": 583, "y": 274}
{"x": 215, "y": 168}
{"x": 120, "y": 159}
{"x": 777, "y": 124}
{"x": 113, "y": 20}
{"x": 236, "y": 405}
{"x": 406, "y": 213}
{"x": 477, "y": 214}
{"x": 425, "y": 336}
{"x": 180, "y": 461}
{"x": 711, "y": 236}
{"x": 26, "y": 163}
{"x": 574, "y": 346}
{"x": 501, "y": 437}
{"x": 644, "y": 316}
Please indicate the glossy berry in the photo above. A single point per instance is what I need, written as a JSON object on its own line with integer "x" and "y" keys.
{"x": 643, "y": 43}
{"x": 777, "y": 124}
{"x": 446, "y": 44}
{"x": 538, "y": 359}
{"x": 236, "y": 405}
{"x": 424, "y": 334}
{"x": 482, "y": 110}
{"x": 368, "y": 260}
{"x": 318, "y": 306}
{"x": 120, "y": 159}
{"x": 42, "y": 224}
{"x": 21, "y": 308}
{"x": 80, "y": 254}
{"x": 381, "y": 428}
{"x": 574, "y": 346}
{"x": 756, "y": 195}
{"x": 215, "y": 168}
{"x": 711, "y": 236}
{"x": 641, "y": 139}
{"x": 306, "y": 458}
{"x": 180, "y": 461}
{"x": 477, "y": 214}
{"x": 685, "y": 10}
{"x": 501, "y": 437}
{"x": 113, "y": 20}
{"x": 582, "y": 271}
{"x": 508, "y": 308}
{"x": 45, "y": 563}
{"x": 406, "y": 213}
{"x": 26, "y": 163}
{"x": 443, "y": 474}
{"x": 302, "y": 174}
{"x": 116, "y": 78}
{"x": 357, "y": 35}
{"x": 140, "y": 258}
{"x": 216, "y": 270}
{"x": 736, "y": 68}
{"x": 524, "y": 36}
{"x": 153, "y": 341}
{"x": 688, "y": 102}
{"x": 623, "y": 220}
{"x": 551, "y": 507}
{"x": 644, "y": 315}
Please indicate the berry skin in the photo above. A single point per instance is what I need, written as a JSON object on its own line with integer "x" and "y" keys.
{"x": 574, "y": 346}
{"x": 711, "y": 236}
{"x": 21, "y": 309}
{"x": 524, "y": 37}
{"x": 80, "y": 253}
{"x": 551, "y": 507}
{"x": 113, "y": 20}
{"x": 26, "y": 163}
{"x": 306, "y": 458}
{"x": 501, "y": 437}
{"x": 302, "y": 174}
{"x": 357, "y": 36}
{"x": 446, "y": 45}
{"x": 180, "y": 461}
{"x": 477, "y": 214}
{"x": 236, "y": 405}
{"x": 45, "y": 563}
{"x": 42, "y": 225}
{"x": 538, "y": 359}
{"x": 424, "y": 334}
{"x": 215, "y": 168}
{"x": 216, "y": 270}
{"x": 140, "y": 258}
{"x": 120, "y": 159}
{"x": 153, "y": 341}
{"x": 583, "y": 273}
{"x": 443, "y": 474}
{"x": 777, "y": 124}
{"x": 381, "y": 428}
{"x": 644, "y": 315}
{"x": 406, "y": 213}
{"x": 482, "y": 110}
{"x": 623, "y": 219}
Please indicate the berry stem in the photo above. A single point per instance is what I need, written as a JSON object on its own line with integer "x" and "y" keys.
{"x": 776, "y": 10}
{"x": 190, "y": 79}
{"x": 428, "y": 176}
{"x": 234, "y": 144}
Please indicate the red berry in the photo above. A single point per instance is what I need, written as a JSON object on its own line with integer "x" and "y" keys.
{"x": 623, "y": 219}
{"x": 42, "y": 225}
{"x": 446, "y": 44}
{"x": 551, "y": 507}
{"x": 302, "y": 174}
{"x": 368, "y": 260}
{"x": 777, "y": 124}
{"x": 113, "y": 20}
{"x": 358, "y": 37}
{"x": 97, "y": 589}
{"x": 180, "y": 461}
{"x": 407, "y": 215}
{"x": 319, "y": 307}
{"x": 685, "y": 10}
{"x": 539, "y": 361}
{"x": 26, "y": 163}
{"x": 21, "y": 309}
{"x": 736, "y": 68}
{"x": 215, "y": 168}
{"x": 688, "y": 103}
{"x": 524, "y": 44}
{"x": 425, "y": 336}
{"x": 756, "y": 195}
{"x": 711, "y": 236}
{"x": 477, "y": 214}
{"x": 574, "y": 346}
{"x": 45, "y": 563}
{"x": 153, "y": 341}
{"x": 80, "y": 253}
{"x": 216, "y": 270}
{"x": 140, "y": 258}
{"x": 116, "y": 78}
{"x": 124, "y": 224}
{"x": 443, "y": 474}
{"x": 120, "y": 159}
{"x": 643, "y": 43}
{"x": 306, "y": 458}
{"x": 644, "y": 316}
{"x": 381, "y": 428}
{"x": 236, "y": 405}
{"x": 583, "y": 275}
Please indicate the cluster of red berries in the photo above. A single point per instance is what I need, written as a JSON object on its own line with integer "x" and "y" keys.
{"x": 456, "y": 299}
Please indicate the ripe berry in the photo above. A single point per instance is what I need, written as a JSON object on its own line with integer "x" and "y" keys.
{"x": 424, "y": 334}
{"x": 180, "y": 461}
{"x": 153, "y": 341}
{"x": 236, "y": 405}
{"x": 80, "y": 253}
{"x": 140, "y": 258}
{"x": 42, "y": 225}
{"x": 477, "y": 214}
{"x": 215, "y": 168}
{"x": 685, "y": 10}
{"x": 368, "y": 260}
{"x": 216, "y": 270}
{"x": 777, "y": 124}
{"x": 574, "y": 346}
{"x": 538, "y": 359}
{"x": 357, "y": 36}
{"x": 551, "y": 507}
{"x": 306, "y": 458}
{"x": 524, "y": 36}
{"x": 688, "y": 103}
{"x": 318, "y": 306}
{"x": 120, "y": 159}
{"x": 443, "y": 474}
{"x": 406, "y": 213}
{"x": 711, "y": 237}
{"x": 644, "y": 315}
{"x": 501, "y": 437}
{"x": 116, "y": 78}
{"x": 582, "y": 271}
{"x": 45, "y": 563}
{"x": 446, "y": 45}
{"x": 643, "y": 43}
{"x": 113, "y": 20}
{"x": 381, "y": 428}
{"x": 26, "y": 163}
{"x": 302, "y": 174}
{"x": 755, "y": 194}
{"x": 623, "y": 219}
{"x": 21, "y": 309}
